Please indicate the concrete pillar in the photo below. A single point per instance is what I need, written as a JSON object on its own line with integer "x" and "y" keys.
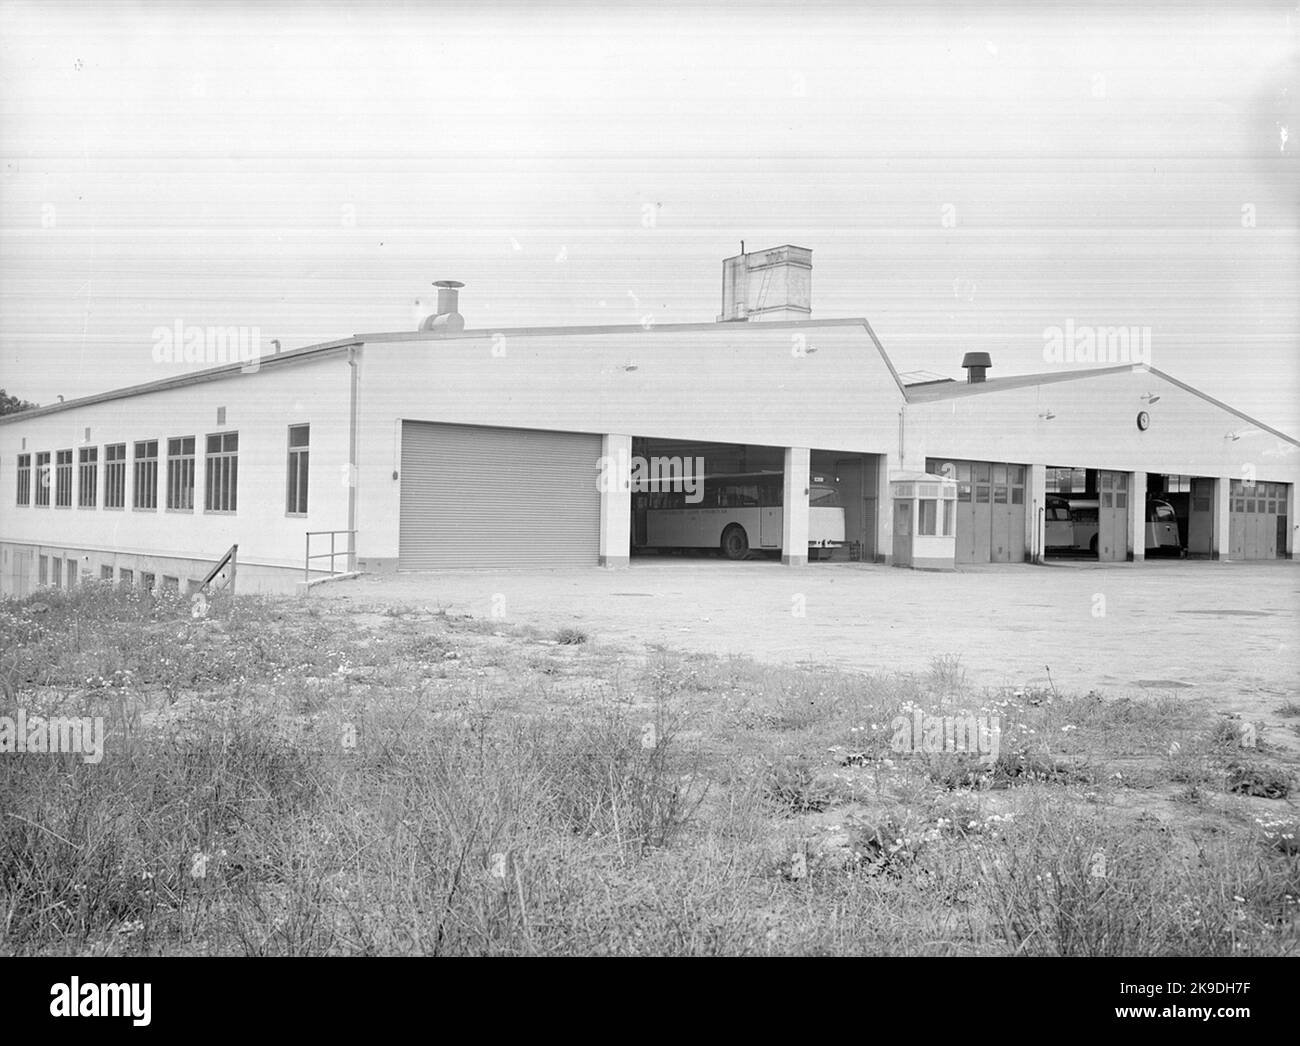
{"x": 884, "y": 512}
{"x": 1288, "y": 552}
{"x": 1137, "y": 516}
{"x": 1222, "y": 540}
{"x": 615, "y": 477}
{"x": 794, "y": 512}
{"x": 1035, "y": 513}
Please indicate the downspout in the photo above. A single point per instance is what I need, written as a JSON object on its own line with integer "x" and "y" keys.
{"x": 352, "y": 459}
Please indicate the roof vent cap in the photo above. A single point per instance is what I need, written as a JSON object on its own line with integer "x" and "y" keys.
{"x": 976, "y": 365}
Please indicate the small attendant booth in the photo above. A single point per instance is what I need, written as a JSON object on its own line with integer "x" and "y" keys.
{"x": 925, "y": 530}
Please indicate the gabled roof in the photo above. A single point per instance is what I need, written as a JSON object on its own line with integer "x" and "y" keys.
{"x": 633, "y": 328}
{"x": 231, "y": 370}
{"x": 939, "y": 391}
{"x": 226, "y": 370}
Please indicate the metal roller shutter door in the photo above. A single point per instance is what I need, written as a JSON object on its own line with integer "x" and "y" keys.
{"x": 492, "y": 497}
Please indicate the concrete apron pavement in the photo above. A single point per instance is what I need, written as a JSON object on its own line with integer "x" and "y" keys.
{"x": 1211, "y": 628}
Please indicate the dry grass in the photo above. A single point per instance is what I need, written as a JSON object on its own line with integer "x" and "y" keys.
{"x": 290, "y": 778}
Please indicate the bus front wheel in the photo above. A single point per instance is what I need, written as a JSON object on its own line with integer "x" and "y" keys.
{"x": 735, "y": 542}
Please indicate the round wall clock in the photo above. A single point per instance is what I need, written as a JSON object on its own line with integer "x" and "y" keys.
{"x": 1144, "y": 420}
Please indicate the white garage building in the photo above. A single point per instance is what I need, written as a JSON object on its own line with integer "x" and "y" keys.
{"x": 450, "y": 447}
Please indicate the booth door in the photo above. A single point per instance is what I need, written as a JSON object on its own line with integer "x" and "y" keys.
{"x": 902, "y": 533}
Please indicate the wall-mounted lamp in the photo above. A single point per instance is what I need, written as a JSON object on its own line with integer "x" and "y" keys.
{"x": 1047, "y": 415}
{"x": 630, "y": 367}
{"x": 1234, "y": 436}
{"x": 1150, "y": 397}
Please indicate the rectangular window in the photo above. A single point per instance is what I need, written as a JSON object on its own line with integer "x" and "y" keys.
{"x": 1121, "y": 499}
{"x": 115, "y": 475}
{"x": 296, "y": 494}
{"x": 1017, "y": 495}
{"x": 44, "y": 570}
{"x": 171, "y": 584}
{"x": 43, "y": 479}
{"x": 146, "y": 580}
{"x": 180, "y": 473}
{"x": 221, "y": 473}
{"x": 127, "y": 577}
{"x": 72, "y": 571}
{"x": 999, "y": 474}
{"x": 981, "y": 494}
{"x": 87, "y": 477}
{"x": 63, "y": 478}
{"x": 105, "y": 572}
{"x": 925, "y": 525}
{"x": 1106, "y": 498}
{"x": 145, "y": 493}
{"x": 24, "y": 479}
{"x": 948, "y": 513}
{"x": 1000, "y": 495}
{"x": 982, "y": 471}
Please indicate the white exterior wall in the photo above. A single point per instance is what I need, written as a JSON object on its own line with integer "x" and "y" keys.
{"x": 823, "y": 386}
{"x": 1095, "y": 426}
{"x": 260, "y": 407}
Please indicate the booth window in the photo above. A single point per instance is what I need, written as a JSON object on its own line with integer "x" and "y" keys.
{"x": 929, "y": 507}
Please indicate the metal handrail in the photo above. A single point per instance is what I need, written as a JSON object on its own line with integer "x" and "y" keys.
{"x": 231, "y": 559}
{"x": 331, "y": 554}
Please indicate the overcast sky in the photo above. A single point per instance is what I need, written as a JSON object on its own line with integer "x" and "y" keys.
{"x": 310, "y": 169}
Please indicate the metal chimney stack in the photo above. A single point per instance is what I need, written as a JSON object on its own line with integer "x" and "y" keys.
{"x": 447, "y": 318}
